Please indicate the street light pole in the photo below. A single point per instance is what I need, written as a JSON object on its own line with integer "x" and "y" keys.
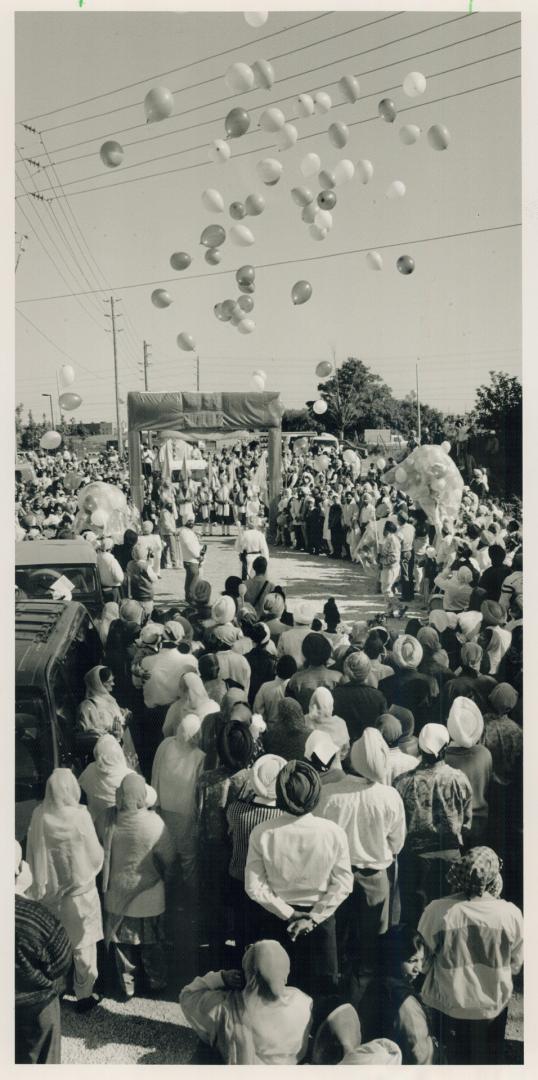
{"x": 419, "y": 423}
{"x": 51, "y": 409}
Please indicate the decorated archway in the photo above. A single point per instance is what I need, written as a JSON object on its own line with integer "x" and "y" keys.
{"x": 204, "y": 415}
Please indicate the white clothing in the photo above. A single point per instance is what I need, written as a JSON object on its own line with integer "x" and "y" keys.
{"x": 400, "y": 763}
{"x": 110, "y": 571}
{"x": 190, "y": 547}
{"x": 166, "y": 668}
{"x": 372, "y": 816}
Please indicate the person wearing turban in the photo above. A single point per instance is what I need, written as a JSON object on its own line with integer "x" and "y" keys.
{"x": 399, "y": 762}
{"x": 456, "y": 586}
{"x": 504, "y": 739}
{"x": 252, "y": 1017}
{"x": 357, "y": 703}
{"x": 465, "y": 727}
{"x": 298, "y": 872}
{"x": 408, "y": 686}
{"x": 371, "y": 813}
{"x": 474, "y": 941}
{"x": 438, "y": 810}
{"x": 469, "y": 682}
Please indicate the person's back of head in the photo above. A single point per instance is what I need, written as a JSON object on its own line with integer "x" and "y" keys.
{"x": 260, "y": 566}
{"x": 286, "y": 666}
{"x": 316, "y": 650}
{"x": 496, "y": 554}
{"x": 373, "y": 646}
{"x": 290, "y": 713}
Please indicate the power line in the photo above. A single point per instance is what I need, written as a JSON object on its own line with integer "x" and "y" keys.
{"x": 54, "y": 344}
{"x": 290, "y": 262}
{"x": 262, "y": 149}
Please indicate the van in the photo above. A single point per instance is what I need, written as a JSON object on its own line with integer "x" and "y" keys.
{"x": 55, "y": 645}
{"x": 39, "y": 563}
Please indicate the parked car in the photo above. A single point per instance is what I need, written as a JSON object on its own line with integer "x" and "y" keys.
{"x": 55, "y": 645}
{"x": 39, "y": 563}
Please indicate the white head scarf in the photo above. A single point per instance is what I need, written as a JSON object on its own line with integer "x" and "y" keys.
{"x": 465, "y": 724}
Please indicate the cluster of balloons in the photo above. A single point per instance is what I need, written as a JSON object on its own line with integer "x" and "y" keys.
{"x": 240, "y": 77}
{"x": 316, "y": 209}
{"x": 405, "y": 264}
{"x": 237, "y": 312}
{"x": 69, "y": 399}
{"x": 104, "y": 507}
{"x": 432, "y": 480}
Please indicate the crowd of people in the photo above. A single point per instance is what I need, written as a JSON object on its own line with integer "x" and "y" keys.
{"x": 320, "y": 819}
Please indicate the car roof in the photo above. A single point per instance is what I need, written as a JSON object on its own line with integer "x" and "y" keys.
{"x": 54, "y": 553}
{"x": 41, "y": 627}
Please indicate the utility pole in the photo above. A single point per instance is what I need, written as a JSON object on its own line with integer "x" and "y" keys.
{"x": 147, "y": 364}
{"x": 112, "y": 316}
{"x": 419, "y": 426}
{"x": 51, "y": 409}
{"x": 197, "y": 372}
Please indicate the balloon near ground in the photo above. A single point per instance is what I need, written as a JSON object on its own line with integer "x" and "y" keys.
{"x": 241, "y": 235}
{"x": 213, "y": 236}
{"x": 264, "y": 75}
{"x": 301, "y": 292}
{"x": 160, "y": 298}
{"x": 446, "y": 447}
{"x": 320, "y": 407}
{"x": 107, "y": 500}
{"x": 158, "y": 104}
{"x": 212, "y": 200}
{"x": 387, "y": 110}
{"x": 381, "y": 462}
{"x": 219, "y": 152}
{"x": 414, "y": 84}
{"x": 324, "y": 369}
{"x": 269, "y": 170}
{"x": 409, "y": 134}
{"x": 70, "y": 401}
{"x": 236, "y": 123}
{"x": 272, "y": 120}
{"x": 237, "y": 211}
{"x": 51, "y": 440}
{"x": 374, "y": 260}
{"x": 180, "y": 260}
{"x": 350, "y": 88}
{"x": 438, "y": 137}
{"x": 432, "y": 481}
{"x": 240, "y": 78}
{"x": 365, "y": 170}
{"x": 256, "y": 19}
{"x": 405, "y": 264}
{"x": 338, "y": 134}
{"x": 111, "y": 154}
{"x": 306, "y": 105}
{"x": 99, "y": 518}
{"x": 67, "y": 375}
{"x": 254, "y": 205}
{"x": 186, "y": 342}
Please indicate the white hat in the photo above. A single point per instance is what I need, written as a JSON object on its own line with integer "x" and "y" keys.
{"x": 465, "y": 724}
{"x": 303, "y": 613}
{"x": 320, "y": 744}
{"x": 407, "y": 651}
{"x": 432, "y": 738}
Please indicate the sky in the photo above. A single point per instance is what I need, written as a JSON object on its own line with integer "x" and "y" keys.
{"x": 458, "y": 314}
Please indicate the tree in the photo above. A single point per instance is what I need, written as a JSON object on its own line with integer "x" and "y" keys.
{"x": 499, "y": 405}
{"x": 299, "y": 420}
{"x": 356, "y": 399}
{"x": 405, "y": 417}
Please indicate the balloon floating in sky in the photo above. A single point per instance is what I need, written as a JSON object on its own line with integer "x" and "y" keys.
{"x": 237, "y": 123}
{"x": 240, "y": 78}
{"x": 322, "y": 101}
{"x": 212, "y": 200}
{"x": 396, "y": 190}
{"x": 302, "y": 196}
{"x": 258, "y": 381}
{"x": 186, "y": 342}
{"x": 338, "y": 134}
{"x": 220, "y": 152}
{"x": 324, "y": 219}
{"x": 67, "y": 375}
{"x": 405, "y": 264}
{"x": 387, "y": 110}
{"x": 51, "y": 440}
{"x": 254, "y": 205}
{"x": 227, "y": 309}
{"x": 70, "y": 401}
{"x": 327, "y": 179}
{"x": 439, "y": 137}
{"x": 287, "y": 137}
{"x": 269, "y": 170}
{"x": 111, "y": 154}
{"x": 272, "y": 119}
{"x": 237, "y": 211}
{"x": 317, "y": 232}
{"x": 256, "y": 18}
{"x": 241, "y": 234}
{"x": 237, "y": 315}
{"x": 161, "y": 298}
{"x": 245, "y": 275}
{"x": 374, "y": 260}
{"x": 264, "y": 75}
{"x": 409, "y": 134}
{"x": 414, "y": 84}
{"x": 246, "y": 303}
{"x": 213, "y": 236}
{"x": 310, "y": 165}
{"x": 306, "y": 105}
{"x": 327, "y": 200}
{"x": 180, "y": 260}
{"x": 301, "y": 292}
{"x": 309, "y": 212}
{"x": 213, "y": 256}
{"x": 343, "y": 171}
{"x": 350, "y": 88}
{"x": 246, "y": 326}
{"x": 323, "y": 369}
{"x": 320, "y": 407}
{"x": 365, "y": 170}
{"x": 158, "y": 104}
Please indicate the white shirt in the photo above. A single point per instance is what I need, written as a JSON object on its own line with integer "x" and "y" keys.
{"x": 190, "y": 547}
{"x": 372, "y": 816}
{"x": 110, "y": 571}
{"x": 166, "y": 668}
{"x": 151, "y": 542}
{"x": 253, "y": 542}
{"x": 400, "y": 762}
{"x": 298, "y": 860}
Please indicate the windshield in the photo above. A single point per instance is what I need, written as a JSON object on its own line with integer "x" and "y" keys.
{"x": 35, "y": 581}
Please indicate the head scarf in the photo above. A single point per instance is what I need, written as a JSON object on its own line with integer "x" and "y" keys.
{"x": 298, "y": 788}
{"x": 406, "y": 718}
{"x": 433, "y": 738}
{"x": 465, "y": 724}
{"x": 110, "y": 760}
{"x": 201, "y": 592}
{"x": 131, "y": 794}
{"x": 338, "y": 1042}
{"x": 263, "y": 777}
{"x": 234, "y": 745}
{"x": 503, "y": 698}
{"x": 370, "y": 756}
{"x": 407, "y": 652}
{"x": 441, "y": 620}
{"x": 223, "y": 610}
{"x": 390, "y": 728}
{"x": 192, "y": 692}
{"x": 478, "y": 872}
{"x": 429, "y": 639}
{"x": 498, "y": 646}
{"x": 173, "y": 631}
{"x": 188, "y": 729}
{"x": 357, "y": 667}
{"x": 492, "y": 613}
{"x": 131, "y": 612}
{"x": 322, "y": 701}
{"x": 464, "y": 575}
{"x": 469, "y": 623}
{"x": 471, "y": 655}
{"x": 320, "y": 745}
{"x": 270, "y": 961}
{"x": 94, "y": 686}
{"x": 56, "y": 815}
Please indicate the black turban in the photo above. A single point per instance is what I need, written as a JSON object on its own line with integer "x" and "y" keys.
{"x": 297, "y": 788}
{"x": 235, "y": 745}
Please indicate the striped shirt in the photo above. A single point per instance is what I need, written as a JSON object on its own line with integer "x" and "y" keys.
{"x": 242, "y": 817}
{"x": 42, "y": 953}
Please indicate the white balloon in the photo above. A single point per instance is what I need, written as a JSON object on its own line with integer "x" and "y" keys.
{"x": 365, "y": 170}
{"x": 246, "y": 326}
{"x": 310, "y": 165}
{"x": 322, "y": 101}
{"x": 324, "y": 219}
{"x": 269, "y": 170}
{"x": 343, "y": 171}
{"x": 350, "y": 87}
{"x": 320, "y": 407}
{"x": 240, "y": 78}
{"x": 220, "y": 152}
{"x": 67, "y": 375}
{"x": 213, "y": 201}
{"x": 256, "y": 18}
{"x": 258, "y": 383}
{"x": 317, "y": 232}
{"x": 272, "y": 119}
{"x": 309, "y": 213}
{"x": 260, "y": 374}
{"x": 374, "y": 260}
{"x": 241, "y": 235}
{"x": 306, "y": 105}
{"x": 414, "y": 84}
{"x": 409, "y": 134}
{"x": 264, "y": 75}
{"x": 395, "y": 190}
{"x": 287, "y": 137}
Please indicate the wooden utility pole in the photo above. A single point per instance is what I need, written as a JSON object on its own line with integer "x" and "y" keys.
{"x": 112, "y": 316}
{"x": 419, "y": 424}
{"x": 197, "y": 372}
{"x": 147, "y": 363}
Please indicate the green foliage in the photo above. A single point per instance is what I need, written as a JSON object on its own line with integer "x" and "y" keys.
{"x": 499, "y": 404}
